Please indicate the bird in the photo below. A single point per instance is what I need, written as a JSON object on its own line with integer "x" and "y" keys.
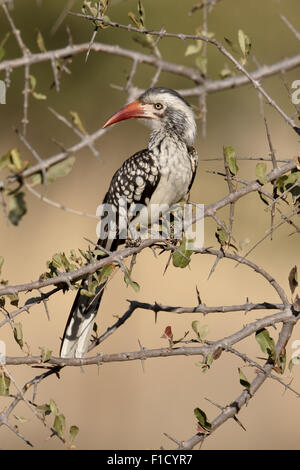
{"x": 161, "y": 174}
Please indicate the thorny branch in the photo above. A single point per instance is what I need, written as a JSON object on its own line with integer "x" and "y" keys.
{"x": 287, "y": 312}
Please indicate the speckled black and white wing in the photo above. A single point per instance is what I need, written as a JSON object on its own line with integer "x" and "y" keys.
{"x": 134, "y": 182}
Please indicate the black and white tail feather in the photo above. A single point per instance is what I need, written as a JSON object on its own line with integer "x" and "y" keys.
{"x": 161, "y": 174}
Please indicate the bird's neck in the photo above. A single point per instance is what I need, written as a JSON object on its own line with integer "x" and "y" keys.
{"x": 161, "y": 138}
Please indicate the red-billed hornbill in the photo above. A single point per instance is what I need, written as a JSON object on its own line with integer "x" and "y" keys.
{"x": 163, "y": 173}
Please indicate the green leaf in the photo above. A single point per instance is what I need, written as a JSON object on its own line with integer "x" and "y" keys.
{"x": 32, "y": 81}
{"x": 44, "y": 408}
{"x": 74, "y": 430}
{"x": 134, "y": 19}
{"x": 182, "y": 256}
{"x": 141, "y": 11}
{"x": 55, "y": 171}
{"x": 53, "y": 407}
{"x": 4, "y": 384}
{"x": 39, "y": 96}
{"x": 77, "y": 122}
{"x": 202, "y": 332}
{"x": 194, "y": 48}
{"x": 16, "y": 159}
{"x": 230, "y": 158}
{"x": 201, "y": 64}
{"x": 221, "y": 236}
{"x": 131, "y": 283}
{"x": 46, "y": 354}
{"x": 1, "y": 263}
{"x": 281, "y": 362}
{"x": 202, "y": 419}
{"x": 225, "y": 72}
{"x": 59, "y": 425}
{"x": 14, "y": 299}
{"x": 244, "y": 43}
{"x": 261, "y": 171}
{"x": 267, "y": 344}
{"x": 18, "y": 334}
{"x": 243, "y": 380}
{"x": 21, "y": 419}
{"x": 88, "y": 5}
{"x": 40, "y": 41}
{"x": 91, "y": 291}
{"x": 17, "y": 208}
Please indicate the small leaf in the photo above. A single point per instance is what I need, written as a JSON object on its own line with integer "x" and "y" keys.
{"x": 46, "y": 354}
{"x": 225, "y": 72}
{"x": 53, "y": 407}
{"x": 244, "y": 43}
{"x": 261, "y": 171}
{"x": 18, "y": 334}
{"x": 32, "y": 81}
{"x": 74, "y": 430}
{"x": 4, "y": 384}
{"x": 40, "y": 41}
{"x": 55, "y": 171}
{"x": 293, "y": 279}
{"x": 131, "y": 283}
{"x": 203, "y": 332}
{"x": 21, "y": 419}
{"x": 243, "y": 380}
{"x": 14, "y": 299}
{"x": 141, "y": 12}
{"x": 281, "y": 362}
{"x": 221, "y": 235}
{"x": 59, "y": 425}
{"x": 77, "y": 122}
{"x": 230, "y": 158}
{"x": 182, "y": 257}
{"x": 202, "y": 420}
{"x": 1, "y": 263}
{"x": 266, "y": 343}
{"x": 44, "y": 408}
{"x": 134, "y": 19}
{"x": 16, "y": 159}
{"x": 39, "y": 96}
{"x": 17, "y": 208}
{"x": 168, "y": 334}
{"x": 201, "y": 64}
{"x": 193, "y": 48}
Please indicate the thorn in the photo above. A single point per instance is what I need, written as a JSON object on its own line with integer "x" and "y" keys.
{"x": 198, "y": 296}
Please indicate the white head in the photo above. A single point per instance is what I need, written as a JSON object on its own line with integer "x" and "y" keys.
{"x": 165, "y": 109}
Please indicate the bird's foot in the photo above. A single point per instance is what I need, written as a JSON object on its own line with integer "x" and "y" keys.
{"x": 133, "y": 242}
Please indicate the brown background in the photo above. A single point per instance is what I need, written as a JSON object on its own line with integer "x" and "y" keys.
{"x": 118, "y": 406}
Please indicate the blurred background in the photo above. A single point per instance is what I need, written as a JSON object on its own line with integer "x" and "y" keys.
{"x": 118, "y": 406}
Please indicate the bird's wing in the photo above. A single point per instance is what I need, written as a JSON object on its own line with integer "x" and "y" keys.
{"x": 133, "y": 184}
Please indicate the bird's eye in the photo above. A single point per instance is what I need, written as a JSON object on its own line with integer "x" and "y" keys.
{"x": 158, "y": 106}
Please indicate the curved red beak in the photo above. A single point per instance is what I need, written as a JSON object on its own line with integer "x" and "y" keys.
{"x": 132, "y": 110}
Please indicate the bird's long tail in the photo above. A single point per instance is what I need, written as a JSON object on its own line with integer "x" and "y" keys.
{"x": 78, "y": 330}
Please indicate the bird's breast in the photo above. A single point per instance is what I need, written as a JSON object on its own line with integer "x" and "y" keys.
{"x": 175, "y": 173}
